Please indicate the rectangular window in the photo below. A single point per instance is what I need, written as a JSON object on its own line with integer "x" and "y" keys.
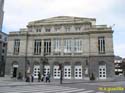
{"x": 101, "y": 44}
{"x": 0, "y": 36}
{"x": 57, "y": 45}
{"x": 47, "y": 46}
{"x": 67, "y": 29}
{"x": 4, "y": 44}
{"x": 5, "y": 39}
{"x": 67, "y": 45}
{"x": 16, "y": 46}
{"x": 3, "y": 51}
{"x": 47, "y": 29}
{"x": 37, "y": 47}
{"x": 77, "y": 28}
{"x": 2, "y": 58}
{"x": 77, "y": 45}
{"x": 38, "y": 30}
{"x": 57, "y": 29}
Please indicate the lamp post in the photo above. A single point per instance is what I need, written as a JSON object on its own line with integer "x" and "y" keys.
{"x": 44, "y": 60}
{"x": 27, "y": 71}
{"x": 61, "y": 73}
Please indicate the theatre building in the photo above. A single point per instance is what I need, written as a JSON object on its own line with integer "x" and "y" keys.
{"x": 82, "y": 47}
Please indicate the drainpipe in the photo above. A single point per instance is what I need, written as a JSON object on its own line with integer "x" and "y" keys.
{"x": 89, "y": 57}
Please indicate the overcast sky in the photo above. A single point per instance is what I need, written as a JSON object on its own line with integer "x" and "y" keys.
{"x": 19, "y": 12}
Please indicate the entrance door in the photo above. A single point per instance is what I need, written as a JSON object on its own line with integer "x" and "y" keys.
{"x": 67, "y": 72}
{"x": 102, "y": 72}
{"x": 14, "y": 71}
{"x": 78, "y": 72}
{"x": 36, "y": 69}
{"x": 46, "y": 69}
{"x": 56, "y": 72}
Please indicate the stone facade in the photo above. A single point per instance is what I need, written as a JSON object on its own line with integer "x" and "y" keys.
{"x": 3, "y": 51}
{"x": 78, "y": 48}
{"x": 3, "y": 41}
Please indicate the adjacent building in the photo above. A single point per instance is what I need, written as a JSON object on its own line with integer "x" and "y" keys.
{"x": 118, "y": 61}
{"x": 1, "y": 13}
{"x": 77, "y": 43}
{"x": 123, "y": 66}
{"x": 3, "y": 51}
{"x": 3, "y": 41}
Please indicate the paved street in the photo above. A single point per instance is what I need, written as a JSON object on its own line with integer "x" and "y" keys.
{"x": 43, "y": 89}
{"x": 15, "y": 86}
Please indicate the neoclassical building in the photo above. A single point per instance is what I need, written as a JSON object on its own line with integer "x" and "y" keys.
{"x": 81, "y": 46}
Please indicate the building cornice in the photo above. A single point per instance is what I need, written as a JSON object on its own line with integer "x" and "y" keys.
{"x": 59, "y": 33}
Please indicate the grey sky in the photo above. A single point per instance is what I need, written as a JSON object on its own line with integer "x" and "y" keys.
{"x": 19, "y": 12}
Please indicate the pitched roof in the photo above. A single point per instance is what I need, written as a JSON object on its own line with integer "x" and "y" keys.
{"x": 62, "y": 20}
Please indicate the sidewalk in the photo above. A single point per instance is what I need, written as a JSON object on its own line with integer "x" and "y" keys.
{"x": 7, "y": 81}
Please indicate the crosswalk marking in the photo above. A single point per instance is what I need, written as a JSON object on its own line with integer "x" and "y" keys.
{"x": 72, "y": 91}
{"x": 89, "y": 91}
{"x": 43, "y": 89}
{"x": 58, "y": 91}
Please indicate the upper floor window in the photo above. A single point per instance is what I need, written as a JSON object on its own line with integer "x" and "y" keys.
{"x": 57, "y": 45}
{"x": 0, "y": 36}
{"x": 101, "y": 44}
{"x": 77, "y": 28}
{"x": 38, "y": 30}
{"x": 37, "y": 47}
{"x": 77, "y": 45}
{"x": 67, "y": 45}
{"x": 4, "y": 44}
{"x": 2, "y": 58}
{"x": 5, "y": 38}
{"x": 47, "y": 46}
{"x": 47, "y": 29}
{"x": 3, "y": 50}
{"x": 57, "y": 29}
{"x": 16, "y": 46}
{"x": 67, "y": 29}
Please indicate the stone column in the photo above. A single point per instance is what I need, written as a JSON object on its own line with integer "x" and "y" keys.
{"x": 51, "y": 70}
{"x": 42, "y": 47}
{"x": 62, "y": 46}
{"x": 52, "y": 41}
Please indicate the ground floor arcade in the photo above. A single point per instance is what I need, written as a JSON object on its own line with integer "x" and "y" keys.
{"x": 72, "y": 68}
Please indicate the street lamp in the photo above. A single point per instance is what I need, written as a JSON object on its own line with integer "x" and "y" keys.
{"x": 61, "y": 72}
{"x": 44, "y": 60}
{"x": 27, "y": 72}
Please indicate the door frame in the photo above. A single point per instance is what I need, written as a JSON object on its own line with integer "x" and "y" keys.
{"x": 68, "y": 67}
{"x": 79, "y": 66}
{"x": 38, "y": 66}
{"x": 57, "y": 72}
{"x": 102, "y": 74}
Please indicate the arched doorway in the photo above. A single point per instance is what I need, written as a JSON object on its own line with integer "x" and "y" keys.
{"x": 46, "y": 69}
{"x": 67, "y": 70}
{"x": 36, "y": 69}
{"x": 78, "y": 70}
{"x": 14, "y": 69}
{"x": 102, "y": 70}
{"x": 56, "y": 71}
